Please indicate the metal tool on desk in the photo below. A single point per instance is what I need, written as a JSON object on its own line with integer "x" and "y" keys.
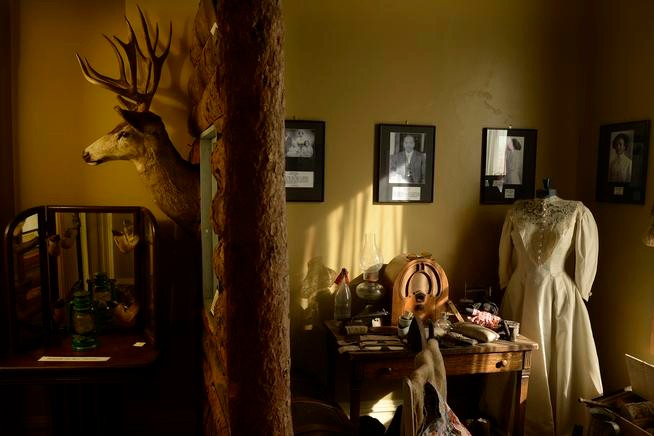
{"x": 368, "y": 315}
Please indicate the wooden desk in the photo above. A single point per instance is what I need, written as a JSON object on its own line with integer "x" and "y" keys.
{"x": 496, "y": 357}
{"x": 85, "y": 397}
{"x": 124, "y": 359}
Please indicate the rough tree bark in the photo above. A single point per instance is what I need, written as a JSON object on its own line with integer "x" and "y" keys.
{"x": 255, "y": 251}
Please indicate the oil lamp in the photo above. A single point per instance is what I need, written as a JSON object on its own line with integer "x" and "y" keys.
{"x": 371, "y": 261}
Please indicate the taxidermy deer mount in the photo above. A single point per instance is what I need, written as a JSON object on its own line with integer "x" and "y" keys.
{"x": 142, "y": 138}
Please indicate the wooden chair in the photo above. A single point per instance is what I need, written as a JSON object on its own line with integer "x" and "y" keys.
{"x": 313, "y": 417}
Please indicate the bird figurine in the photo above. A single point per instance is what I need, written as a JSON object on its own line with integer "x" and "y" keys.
{"x": 126, "y": 240}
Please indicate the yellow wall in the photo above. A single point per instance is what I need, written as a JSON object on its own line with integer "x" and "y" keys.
{"x": 355, "y": 64}
{"x": 444, "y": 63}
{"x": 58, "y": 113}
{"x": 623, "y": 295}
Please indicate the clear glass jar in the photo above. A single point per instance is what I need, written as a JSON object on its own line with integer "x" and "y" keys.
{"x": 444, "y": 322}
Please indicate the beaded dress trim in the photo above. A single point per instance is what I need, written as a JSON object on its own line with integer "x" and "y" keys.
{"x": 550, "y": 212}
{"x": 541, "y": 223}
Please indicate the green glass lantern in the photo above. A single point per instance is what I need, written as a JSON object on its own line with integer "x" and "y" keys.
{"x": 81, "y": 322}
{"x": 103, "y": 294}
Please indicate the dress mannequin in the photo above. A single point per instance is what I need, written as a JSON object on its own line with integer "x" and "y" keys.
{"x": 547, "y": 191}
{"x": 549, "y": 304}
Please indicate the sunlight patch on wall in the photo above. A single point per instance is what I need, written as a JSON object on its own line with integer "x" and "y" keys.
{"x": 338, "y": 238}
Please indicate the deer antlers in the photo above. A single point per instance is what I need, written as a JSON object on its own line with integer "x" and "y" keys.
{"x": 128, "y": 90}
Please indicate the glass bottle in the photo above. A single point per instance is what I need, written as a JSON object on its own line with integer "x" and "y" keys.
{"x": 342, "y": 297}
{"x": 81, "y": 322}
{"x": 444, "y": 322}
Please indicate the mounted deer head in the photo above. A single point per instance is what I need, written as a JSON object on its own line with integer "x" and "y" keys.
{"x": 142, "y": 138}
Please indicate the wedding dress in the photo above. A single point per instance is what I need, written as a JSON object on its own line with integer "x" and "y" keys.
{"x": 537, "y": 237}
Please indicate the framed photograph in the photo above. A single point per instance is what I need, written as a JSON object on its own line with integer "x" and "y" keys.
{"x": 304, "y": 149}
{"x": 404, "y": 171}
{"x": 508, "y": 165}
{"x": 622, "y": 162}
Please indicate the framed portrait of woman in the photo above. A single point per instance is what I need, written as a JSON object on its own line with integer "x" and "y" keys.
{"x": 508, "y": 165}
{"x": 622, "y": 162}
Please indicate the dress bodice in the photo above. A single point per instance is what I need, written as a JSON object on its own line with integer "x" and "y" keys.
{"x": 539, "y": 234}
{"x": 542, "y": 231}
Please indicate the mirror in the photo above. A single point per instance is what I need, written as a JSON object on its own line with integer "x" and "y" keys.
{"x": 508, "y": 165}
{"x": 55, "y": 251}
{"x": 24, "y": 272}
{"x": 87, "y": 243}
{"x": 209, "y": 240}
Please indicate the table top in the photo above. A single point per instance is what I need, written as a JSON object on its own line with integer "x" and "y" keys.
{"x": 125, "y": 351}
{"x": 522, "y": 343}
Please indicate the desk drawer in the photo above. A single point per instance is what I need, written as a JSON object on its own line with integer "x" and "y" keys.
{"x": 388, "y": 369}
{"x": 461, "y": 364}
{"x": 455, "y": 364}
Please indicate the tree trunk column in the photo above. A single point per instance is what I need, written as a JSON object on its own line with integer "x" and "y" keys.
{"x": 255, "y": 250}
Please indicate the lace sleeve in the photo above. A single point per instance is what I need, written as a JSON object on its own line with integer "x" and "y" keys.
{"x": 586, "y": 251}
{"x": 506, "y": 251}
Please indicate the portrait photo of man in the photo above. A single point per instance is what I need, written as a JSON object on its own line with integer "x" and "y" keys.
{"x": 407, "y": 162}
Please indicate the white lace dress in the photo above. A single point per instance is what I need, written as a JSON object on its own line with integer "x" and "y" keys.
{"x": 537, "y": 237}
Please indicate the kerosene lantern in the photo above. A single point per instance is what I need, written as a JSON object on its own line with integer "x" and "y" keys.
{"x": 370, "y": 290}
{"x": 103, "y": 296}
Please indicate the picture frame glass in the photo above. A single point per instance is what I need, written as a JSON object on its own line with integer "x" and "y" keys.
{"x": 304, "y": 148}
{"x": 622, "y": 162}
{"x": 404, "y": 171}
{"x": 508, "y": 165}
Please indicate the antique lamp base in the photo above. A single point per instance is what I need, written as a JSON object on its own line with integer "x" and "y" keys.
{"x": 370, "y": 292}
{"x": 83, "y": 343}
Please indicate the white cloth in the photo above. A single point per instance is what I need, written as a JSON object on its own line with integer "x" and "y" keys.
{"x": 536, "y": 239}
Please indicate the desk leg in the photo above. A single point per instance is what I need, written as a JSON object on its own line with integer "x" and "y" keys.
{"x": 520, "y": 397}
{"x": 331, "y": 370}
{"x": 12, "y": 409}
{"x": 356, "y": 379}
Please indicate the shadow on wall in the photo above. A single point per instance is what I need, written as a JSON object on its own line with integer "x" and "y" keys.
{"x": 172, "y": 102}
{"x": 478, "y": 245}
{"x": 337, "y": 237}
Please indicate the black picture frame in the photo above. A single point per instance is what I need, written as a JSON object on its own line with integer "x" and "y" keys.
{"x": 508, "y": 165}
{"x": 304, "y": 151}
{"x": 622, "y": 170}
{"x": 393, "y": 181}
